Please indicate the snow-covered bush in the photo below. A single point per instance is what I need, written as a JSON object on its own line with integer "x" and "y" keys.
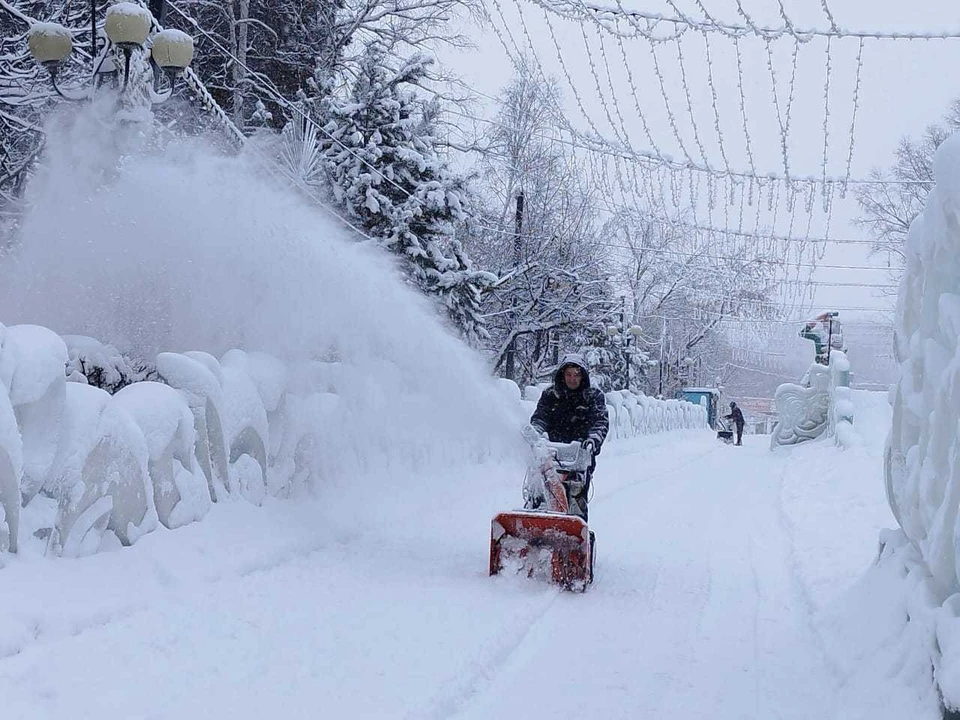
{"x": 92, "y": 362}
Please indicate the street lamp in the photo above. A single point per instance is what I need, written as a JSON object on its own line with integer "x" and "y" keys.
{"x": 148, "y": 56}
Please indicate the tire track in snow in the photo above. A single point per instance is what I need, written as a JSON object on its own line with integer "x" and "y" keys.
{"x": 458, "y": 693}
{"x": 801, "y": 590}
{"x": 457, "y": 696}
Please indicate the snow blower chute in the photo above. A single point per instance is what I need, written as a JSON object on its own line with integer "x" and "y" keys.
{"x": 546, "y": 540}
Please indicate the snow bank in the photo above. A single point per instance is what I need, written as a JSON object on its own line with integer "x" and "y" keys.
{"x": 922, "y": 464}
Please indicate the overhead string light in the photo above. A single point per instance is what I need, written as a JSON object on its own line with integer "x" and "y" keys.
{"x": 826, "y": 114}
{"x": 639, "y": 22}
{"x": 853, "y": 115}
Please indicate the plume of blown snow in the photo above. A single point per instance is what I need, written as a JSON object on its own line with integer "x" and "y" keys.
{"x": 168, "y": 246}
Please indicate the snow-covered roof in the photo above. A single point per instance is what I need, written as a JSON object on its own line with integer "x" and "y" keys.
{"x": 701, "y": 390}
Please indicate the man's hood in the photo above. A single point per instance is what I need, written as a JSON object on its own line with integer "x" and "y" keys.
{"x": 566, "y": 361}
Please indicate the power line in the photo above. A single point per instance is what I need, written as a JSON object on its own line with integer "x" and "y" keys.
{"x": 752, "y": 261}
{"x": 735, "y": 319}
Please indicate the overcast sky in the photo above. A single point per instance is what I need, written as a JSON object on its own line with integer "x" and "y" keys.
{"x": 904, "y": 87}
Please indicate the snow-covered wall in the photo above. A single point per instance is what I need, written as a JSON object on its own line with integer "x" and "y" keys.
{"x": 922, "y": 462}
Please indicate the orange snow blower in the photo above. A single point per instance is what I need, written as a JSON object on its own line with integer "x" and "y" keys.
{"x": 546, "y": 540}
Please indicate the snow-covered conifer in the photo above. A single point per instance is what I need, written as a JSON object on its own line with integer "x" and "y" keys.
{"x": 386, "y": 172}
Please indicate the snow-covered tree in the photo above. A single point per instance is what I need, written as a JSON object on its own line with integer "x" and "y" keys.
{"x": 555, "y": 288}
{"x": 258, "y": 57}
{"x": 680, "y": 286}
{"x": 887, "y": 209}
{"x": 25, "y": 95}
{"x": 385, "y": 172}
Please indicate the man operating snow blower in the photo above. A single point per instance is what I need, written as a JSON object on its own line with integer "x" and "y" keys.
{"x": 549, "y": 538}
{"x": 572, "y": 411}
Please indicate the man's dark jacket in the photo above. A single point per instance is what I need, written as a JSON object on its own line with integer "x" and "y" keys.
{"x": 567, "y": 415}
{"x": 736, "y": 415}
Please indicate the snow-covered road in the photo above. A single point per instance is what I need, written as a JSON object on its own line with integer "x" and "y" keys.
{"x": 712, "y": 564}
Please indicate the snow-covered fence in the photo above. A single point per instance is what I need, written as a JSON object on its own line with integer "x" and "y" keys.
{"x": 922, "y": 461}
{"x": 631, "y": 414}
{"x": 819, "y": 406}
{"x": 80, "y": 467}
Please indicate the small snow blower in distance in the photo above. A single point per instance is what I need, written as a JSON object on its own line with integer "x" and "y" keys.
{"x": 545, "y": 540}
{"x": 724, "y": 434}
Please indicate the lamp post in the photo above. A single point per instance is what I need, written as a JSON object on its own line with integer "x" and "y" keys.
{"x": 149, "y": 59}
{"x": 623, "y": 338}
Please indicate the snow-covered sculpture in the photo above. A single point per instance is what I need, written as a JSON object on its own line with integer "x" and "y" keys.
{"x": 100, "y": 478}
{"x": 802, "y": 409}
{"x": 198, "y": 377}
{"x": 180, "y": 491}
{"x": 32, "y": 360}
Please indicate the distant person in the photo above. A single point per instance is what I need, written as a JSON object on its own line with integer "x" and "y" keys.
{"x": 737, "y": 416}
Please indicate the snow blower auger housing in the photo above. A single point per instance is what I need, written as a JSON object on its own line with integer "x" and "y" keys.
{"x": 546, "y": 540}
{"x": 724, "y": 434}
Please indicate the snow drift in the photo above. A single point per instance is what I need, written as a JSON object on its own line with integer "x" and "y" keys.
{"x": 922, "y": 462}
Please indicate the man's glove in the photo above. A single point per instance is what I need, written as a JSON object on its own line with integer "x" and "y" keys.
{"x": 590, "y": 446}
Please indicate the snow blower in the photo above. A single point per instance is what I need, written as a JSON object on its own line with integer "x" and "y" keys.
{"x": 546, "y": 540}
{"x": 724, "y": 434}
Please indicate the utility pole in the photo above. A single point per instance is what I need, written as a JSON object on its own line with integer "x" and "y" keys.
{"x": 663, "y": 333}
{"x": 510, "y": 363}
{"x": 624, "y": 340}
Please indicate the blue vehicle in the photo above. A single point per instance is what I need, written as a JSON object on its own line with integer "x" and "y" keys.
{"x": 708, "y": 398}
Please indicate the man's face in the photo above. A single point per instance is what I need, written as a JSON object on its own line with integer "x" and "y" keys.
{"x": 572, "y": 377}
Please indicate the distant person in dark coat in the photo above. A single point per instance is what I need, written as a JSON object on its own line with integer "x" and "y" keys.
{"x": 573, "y": 411}
{"x": 737, "y": 416}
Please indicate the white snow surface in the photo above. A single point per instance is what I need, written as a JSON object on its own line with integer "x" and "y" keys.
{"x": 731, "y": 583}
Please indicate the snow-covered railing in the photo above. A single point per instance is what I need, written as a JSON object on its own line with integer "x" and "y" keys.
{"x": 922, "y": 461}
{"x": 80, "y": 467}
{"x": 819, "y": 406}
{"x": 631, "y": 414}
